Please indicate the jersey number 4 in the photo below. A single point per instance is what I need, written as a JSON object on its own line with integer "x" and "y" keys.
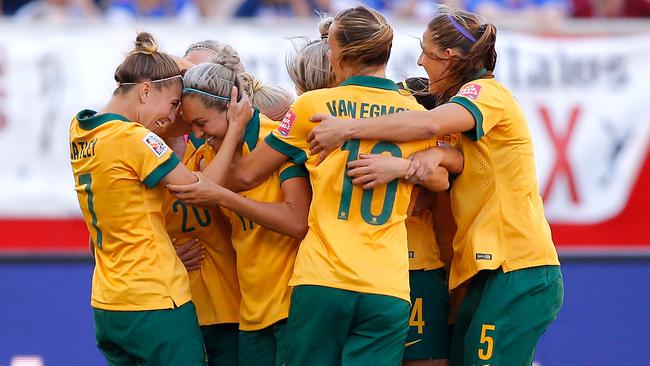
{"x": 352, "y": 147}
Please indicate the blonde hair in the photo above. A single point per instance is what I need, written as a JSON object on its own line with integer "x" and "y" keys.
{"x": 364, "y": 35}
{"x": 218, "y": 49}
{"x": 271, "y": 100}
{"x": 146, "y": 63}
{"x": 309, "y": 67}
{"x": 213, "y": 81}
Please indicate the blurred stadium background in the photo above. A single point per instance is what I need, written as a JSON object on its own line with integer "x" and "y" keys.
{"x": 579, "y": 68}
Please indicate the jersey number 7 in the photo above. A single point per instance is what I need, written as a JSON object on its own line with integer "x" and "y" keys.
{"x": 87, "y": 181}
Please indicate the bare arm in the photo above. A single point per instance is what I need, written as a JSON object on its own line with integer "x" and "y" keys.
{"x": 288, "y": 217}
{"x": 429, "y": 168}
{"x": 179, "y": 175}
{"x": 251, "y": 170}
{"x": 398, "y": 127}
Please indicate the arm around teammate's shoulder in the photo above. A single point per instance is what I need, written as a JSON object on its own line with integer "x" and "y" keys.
{"x": 398, "y": 127}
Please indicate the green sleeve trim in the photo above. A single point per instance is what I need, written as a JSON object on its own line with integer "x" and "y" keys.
{"x": 161, "y": 171}
{"x": 252, "y": 132}
{"x": 476, "y": 133}
{"x": 296, "y": 155}
{"x": 293, "y": 171}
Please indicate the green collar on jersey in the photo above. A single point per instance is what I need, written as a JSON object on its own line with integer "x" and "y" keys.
{"x": 252, "y": 132}
{"x": 371, "y": 82}
{"x": 482, "y": 72}
{"x": 197, "y": 142}
{"x": 89, "y": 119}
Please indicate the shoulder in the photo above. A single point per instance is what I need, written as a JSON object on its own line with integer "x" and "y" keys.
{"x": 481, "y": 87}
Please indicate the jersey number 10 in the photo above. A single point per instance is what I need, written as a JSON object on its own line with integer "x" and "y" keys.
{"x": 352, "y": 147}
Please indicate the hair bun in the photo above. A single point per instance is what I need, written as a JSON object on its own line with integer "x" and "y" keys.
{"x": 228, "y": 60}
{"x": 145, "y": 43}
{"x": 324, "y": 25}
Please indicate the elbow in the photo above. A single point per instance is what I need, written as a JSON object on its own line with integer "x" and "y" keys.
{"x": 431, "y": 130}
{"x": 299, "y": 230}
{"x": 438, "y": 180}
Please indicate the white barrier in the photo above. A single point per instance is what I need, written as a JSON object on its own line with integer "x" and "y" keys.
{"x": 585, "y": 98}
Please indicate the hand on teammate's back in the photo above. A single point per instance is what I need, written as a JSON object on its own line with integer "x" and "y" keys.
{"x": 327, "y": 136}
{"x": 372, "y": 170}
{"x": 191, "y": 254}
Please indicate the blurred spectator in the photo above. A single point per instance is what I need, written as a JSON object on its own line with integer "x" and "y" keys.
{"x": 274, "y": 8}
{"x": 56, "y": 10}
{"x": 611, "y": 8}
{"x": 126, "y": 11}
{"x": 543, "y": 10}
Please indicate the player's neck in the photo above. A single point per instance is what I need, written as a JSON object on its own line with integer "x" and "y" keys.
{"x": 121, "y": 106}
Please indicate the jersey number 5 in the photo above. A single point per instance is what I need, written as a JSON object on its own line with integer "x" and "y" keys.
{"x": 87, "y": 181}
{"x": 352, "y": 147}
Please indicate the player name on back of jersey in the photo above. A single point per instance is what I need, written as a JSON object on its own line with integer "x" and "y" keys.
{"x": 352, "y": 109}
{"x": 82, "y": 149}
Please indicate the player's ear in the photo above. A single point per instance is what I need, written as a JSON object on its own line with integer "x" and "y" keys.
{"x": 145, "y": 88}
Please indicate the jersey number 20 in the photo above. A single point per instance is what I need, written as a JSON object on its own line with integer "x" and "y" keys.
{"x": 352, "y": 147}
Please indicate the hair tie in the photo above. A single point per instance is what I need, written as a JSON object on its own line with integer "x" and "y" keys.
{"x": 154, "y": 81}
{"x": 197, "y": 91}
{"x": 324, "y": 36}
{"x": 461, "y": 29}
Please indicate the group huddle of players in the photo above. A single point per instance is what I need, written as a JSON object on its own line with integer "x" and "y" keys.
{"x": 234, "y": 225}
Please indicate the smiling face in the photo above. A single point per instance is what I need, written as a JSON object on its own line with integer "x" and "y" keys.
{"x": 207, "y": 123}
{"x": 158, "y": 105}
{"x": 434, "y": 61}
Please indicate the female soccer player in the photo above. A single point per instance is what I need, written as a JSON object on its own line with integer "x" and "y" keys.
{"x": 140, "y": 295}
{"x": 202, "y": 241}
{"x": 350, "y": 302}
{"x": 503, "y": 246}
{"x": 267, "y": 221}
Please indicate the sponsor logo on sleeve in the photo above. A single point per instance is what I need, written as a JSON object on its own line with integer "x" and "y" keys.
{"x": 156, "y": 144}
{"x": 286, "y": 124}
{"x": 470, "y": 91}
{"x": 483, "y": 256}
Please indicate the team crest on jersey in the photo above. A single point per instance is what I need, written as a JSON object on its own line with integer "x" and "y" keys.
{"x": 287, "y": 122}
{"x": 155, "y": 143}
{"x": 470, "y": 91}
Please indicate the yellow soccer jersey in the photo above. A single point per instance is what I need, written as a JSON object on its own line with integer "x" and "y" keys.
{"x": 422, "y": 245}
{"x": 356, "y": 239}
{"x": 265, "y": 258}
{"x": 495, "y": 200}
{"x": 214, "y": 287}
{"x": 117, "y": 166}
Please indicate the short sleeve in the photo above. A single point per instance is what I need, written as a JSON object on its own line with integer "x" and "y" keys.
{"x": 290, "y": 138}
{"x": 148, "y": 155}
{"x": 484, "y": 100}
{"x": 290, "y": 170}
